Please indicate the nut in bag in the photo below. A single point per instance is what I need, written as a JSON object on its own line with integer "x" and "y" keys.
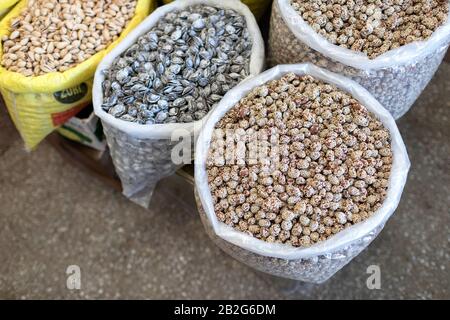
{"x": 159, "y": 83}
{"x": 319, "y": 260}
{"x": 395, "y": 78}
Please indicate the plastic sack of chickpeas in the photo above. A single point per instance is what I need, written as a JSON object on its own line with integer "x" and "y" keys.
{"x": 395, "y": 78}
{"x": 322, "y": 260}
{"x": 5, "y": 6}
{"x": 40, "y": 104}
{"x": 142, "y": 153}
{"x": 258, "y": 7}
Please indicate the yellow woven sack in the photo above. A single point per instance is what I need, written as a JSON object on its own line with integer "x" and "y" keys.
{"x": 258, "y": 7}
{"x": 38, "y": 105}
{"x": 5, "y": 6}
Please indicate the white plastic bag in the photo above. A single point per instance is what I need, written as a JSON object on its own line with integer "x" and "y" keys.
{"x": 320, "y": 261}
{"x": 395, "y": 78}
{"x": 142, "y": 153}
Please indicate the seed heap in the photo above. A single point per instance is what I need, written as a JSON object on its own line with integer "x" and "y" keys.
{"x": 55, "y": 35}
{"x": 373, "y": 26}
{"x": 181, "y": 69}
{"x": 332, "y": 172}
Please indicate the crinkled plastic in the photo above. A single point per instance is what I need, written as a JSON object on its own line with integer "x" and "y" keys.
{"x": 321, "y": 261}
{"x": 38, "y": 105}
{"x": 142, "y": 154}
{"x": 258, "y": 7}
{"x": 5, "y": 6}
{"x": 395, "y": 78}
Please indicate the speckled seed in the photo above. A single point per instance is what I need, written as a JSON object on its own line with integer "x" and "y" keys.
{"x": 375, "y": 28}
{"x": 182, "y": 67}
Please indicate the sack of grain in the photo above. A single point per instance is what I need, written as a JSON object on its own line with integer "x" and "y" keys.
{"x": 327, "y": 173}
{"x": 164, "y": 77}
{"x": 395, "y": 67}
{"x": 46, "y": 82}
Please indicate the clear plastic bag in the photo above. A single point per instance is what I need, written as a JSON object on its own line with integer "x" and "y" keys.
{"x": 396, "y": 78}
{"x": 142, "y": 153}
{"x": 322, "y": 260}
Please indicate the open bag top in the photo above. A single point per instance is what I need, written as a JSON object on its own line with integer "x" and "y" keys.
{"x": 56, "y": 81}
{"x": 405, "y": 54}
{"x": 397, "y": 179}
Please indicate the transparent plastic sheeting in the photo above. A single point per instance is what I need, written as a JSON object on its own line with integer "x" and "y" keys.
{"x": 395, "y": 78}
{"x": 142, "y": 153}
{"x": 322, "y": 260}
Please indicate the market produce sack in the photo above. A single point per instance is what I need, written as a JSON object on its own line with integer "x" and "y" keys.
{"x": 395, "y": 78}
{"x": 322, "y": 260}
{"x": 142, "y": 153}
{"x": 40, "y": 104}
{"x": 258, "y": 7}
{"x": 5, "y": 6}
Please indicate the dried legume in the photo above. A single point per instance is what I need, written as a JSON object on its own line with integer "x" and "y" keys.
{"x": 395, "y": 82}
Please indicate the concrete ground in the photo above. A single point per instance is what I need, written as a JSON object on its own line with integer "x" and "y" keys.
{"x": 53, "y": 215}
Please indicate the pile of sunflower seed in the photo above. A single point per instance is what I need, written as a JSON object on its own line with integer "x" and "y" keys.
{"x": 330, "y": 169}
{"x": 180, "y": 69}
